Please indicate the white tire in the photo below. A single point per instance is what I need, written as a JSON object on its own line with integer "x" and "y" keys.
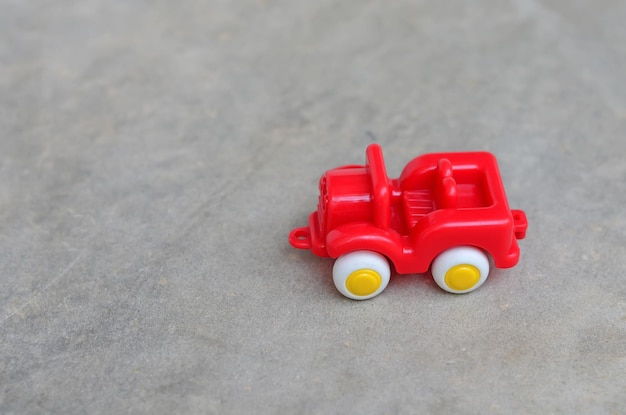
{"x": 461, "y": 270}
{"x": 361, "y": 275}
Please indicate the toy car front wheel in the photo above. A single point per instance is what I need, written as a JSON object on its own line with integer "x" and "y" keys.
{"x": 361, "y": 275}
{"x": 461, "y": 270}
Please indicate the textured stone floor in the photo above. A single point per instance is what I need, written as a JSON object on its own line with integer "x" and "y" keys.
{"x": 155, "y": 155}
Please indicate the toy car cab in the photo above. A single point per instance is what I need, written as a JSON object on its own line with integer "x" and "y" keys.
{"x": 447, "y": 212}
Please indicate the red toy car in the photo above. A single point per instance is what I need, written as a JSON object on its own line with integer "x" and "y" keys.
{"x": 447, "y": 212}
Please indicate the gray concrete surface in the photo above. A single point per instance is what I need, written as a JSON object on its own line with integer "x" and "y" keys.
{"x": 154, "y": 156}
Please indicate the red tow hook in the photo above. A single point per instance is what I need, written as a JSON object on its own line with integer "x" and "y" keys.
{"x": 300, "y": 238}
{"x": 520, "y": 223}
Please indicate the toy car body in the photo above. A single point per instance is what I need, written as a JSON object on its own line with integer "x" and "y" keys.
{"x": 446, "y": 211}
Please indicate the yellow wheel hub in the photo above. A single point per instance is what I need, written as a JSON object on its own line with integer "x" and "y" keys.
{"x": 363, "y": 282}
{"x": 462, "y": 277}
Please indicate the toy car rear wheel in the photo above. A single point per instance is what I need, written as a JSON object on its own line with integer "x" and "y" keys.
{"x": 461, "y": 270}
{"x": 361, "y": 275}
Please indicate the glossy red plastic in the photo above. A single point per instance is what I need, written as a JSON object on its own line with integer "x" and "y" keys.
{"x": 440, "y": 201}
